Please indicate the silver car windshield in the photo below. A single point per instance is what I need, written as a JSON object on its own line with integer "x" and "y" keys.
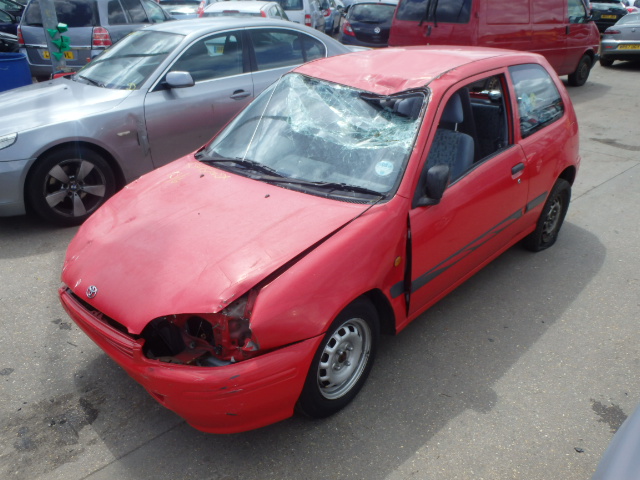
{"x": 314, "y": 133}
{"x": 128, "y": 63}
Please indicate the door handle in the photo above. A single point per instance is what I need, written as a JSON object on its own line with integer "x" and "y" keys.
{"x": 517, "y": 168}
{"x": 239, "y": 94}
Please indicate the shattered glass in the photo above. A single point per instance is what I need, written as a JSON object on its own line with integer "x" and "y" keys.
{"x": 312, "y": 130}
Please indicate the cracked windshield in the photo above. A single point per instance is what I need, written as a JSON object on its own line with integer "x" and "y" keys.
{"x": 310, "y": 134}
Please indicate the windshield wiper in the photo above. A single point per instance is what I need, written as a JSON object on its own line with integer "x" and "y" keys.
{"x": 274, "y": 177}
{"x": 91, "y": 81}
{"x": 247, "y": 164}
{"x": 331, "y": 186}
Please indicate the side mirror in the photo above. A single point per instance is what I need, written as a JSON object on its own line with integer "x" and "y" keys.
{"x": 435, "y": 185}
{"x": 179, "y": 80}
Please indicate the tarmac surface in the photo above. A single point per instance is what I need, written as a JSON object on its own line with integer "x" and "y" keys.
{"x": 524, "y": 372}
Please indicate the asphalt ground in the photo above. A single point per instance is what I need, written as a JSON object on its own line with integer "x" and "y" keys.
{"x": 524, "y": 372}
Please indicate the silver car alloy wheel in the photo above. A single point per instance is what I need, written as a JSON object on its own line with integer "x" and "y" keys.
{"x": 344, "y": 358}
{"x": 74, "y": 187}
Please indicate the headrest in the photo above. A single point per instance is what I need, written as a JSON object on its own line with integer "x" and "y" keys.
{"x": 453, "y": 110}
{"x": 408, "y": 107}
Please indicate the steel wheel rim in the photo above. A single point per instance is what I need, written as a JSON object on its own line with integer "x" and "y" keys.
{"x": 553, "y": 218}
{"x": 74, "y": 187}
{"x": 344, "y": 358}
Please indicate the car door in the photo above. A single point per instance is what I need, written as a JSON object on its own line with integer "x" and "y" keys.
{"x": 180, "y": 120}
{"x": 275, "y": 51}
{"x": 481, "y": 210}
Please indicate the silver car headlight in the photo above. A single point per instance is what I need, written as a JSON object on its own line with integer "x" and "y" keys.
{"x": 8, "y": 140}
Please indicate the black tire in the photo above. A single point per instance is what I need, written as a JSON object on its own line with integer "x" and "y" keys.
{"x": 551, "y": 218}
{"x": 606, "y": 62}
{"x": 66, "y": 186}
{"x": 579, "y": 77}
{"x": 350, "y": 344}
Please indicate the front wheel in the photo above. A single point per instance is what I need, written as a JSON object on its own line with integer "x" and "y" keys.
{"x": 343, "y": 361}
{"x": 551, "y": 218}
{"x": 579, "y": 77}
{"x": 68, "y": 185}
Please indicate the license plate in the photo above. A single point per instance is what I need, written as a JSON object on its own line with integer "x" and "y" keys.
{"x": 612, "y": 17}
{"x": 67, "y": 55}
{"x": 628, "y": 47}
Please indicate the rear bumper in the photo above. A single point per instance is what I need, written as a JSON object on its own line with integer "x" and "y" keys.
{"x": 349, "y": 40}
{"x": 41, "y": 67}
{"x": 233, "y": 398}
{"x": 611, "y": 50}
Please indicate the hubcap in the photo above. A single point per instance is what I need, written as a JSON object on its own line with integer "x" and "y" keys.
{"x": 74, "y": 188}
{"x": 344, "y": 358}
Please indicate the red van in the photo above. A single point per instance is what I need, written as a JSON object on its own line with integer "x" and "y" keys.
{"x": 561, "y": 30}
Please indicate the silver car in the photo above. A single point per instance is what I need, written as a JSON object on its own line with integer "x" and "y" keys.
{"x": 622, "y": 41}
{"x": 68, "y": 144}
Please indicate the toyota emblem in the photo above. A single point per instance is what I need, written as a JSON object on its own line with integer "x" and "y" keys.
{"x": 376, "y": 30}
{"x": 92, "y": 291}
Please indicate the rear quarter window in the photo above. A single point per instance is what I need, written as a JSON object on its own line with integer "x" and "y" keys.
{"x": 539, "y": 101}
{"x": 74, "y": 13}
{"x": 449, "y": 11}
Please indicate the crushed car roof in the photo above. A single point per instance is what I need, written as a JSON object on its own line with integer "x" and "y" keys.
{"x": 393, "y": 70}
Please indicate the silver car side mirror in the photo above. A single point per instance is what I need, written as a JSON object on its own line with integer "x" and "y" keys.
{"x": 179, "y": 80}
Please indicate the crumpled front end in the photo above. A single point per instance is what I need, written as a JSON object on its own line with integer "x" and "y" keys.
{"x": 178, "y": 361}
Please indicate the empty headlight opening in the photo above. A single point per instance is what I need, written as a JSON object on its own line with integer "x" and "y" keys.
{"x": 205, "y": 340}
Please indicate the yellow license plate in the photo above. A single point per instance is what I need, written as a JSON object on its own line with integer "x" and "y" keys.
{"x": 628, "y": 47}
{"x": 609, "y": 16}
{"x": 68, "y": 55}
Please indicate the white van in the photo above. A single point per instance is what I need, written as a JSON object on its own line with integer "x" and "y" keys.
{"x": 306, "y": 12}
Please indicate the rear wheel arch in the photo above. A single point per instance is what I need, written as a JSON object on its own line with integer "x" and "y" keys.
{"x": 568, "y": 174}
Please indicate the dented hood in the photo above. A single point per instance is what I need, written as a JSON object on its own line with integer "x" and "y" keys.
{"x": 189, "y": 238}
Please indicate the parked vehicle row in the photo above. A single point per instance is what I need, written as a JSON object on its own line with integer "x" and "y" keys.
{"x": 67, "y": 145}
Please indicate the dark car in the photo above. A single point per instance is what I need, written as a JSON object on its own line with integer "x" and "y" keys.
{"x": 8, "y": 23}
{"x": 368, "y": 23}
{"x": 622, "y": 41}
{"x": 607, "y": 12}
{"x": 14, "y": 8}
{"x": 93, "y": 26}
{"x": 8, "y": 43}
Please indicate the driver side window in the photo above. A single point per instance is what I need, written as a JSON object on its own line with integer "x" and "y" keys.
{"x": 577, "y": 12}
{"x": 216, "y": 56}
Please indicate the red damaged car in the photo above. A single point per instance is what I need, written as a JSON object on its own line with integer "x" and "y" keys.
{"x": 254, "y": 277}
